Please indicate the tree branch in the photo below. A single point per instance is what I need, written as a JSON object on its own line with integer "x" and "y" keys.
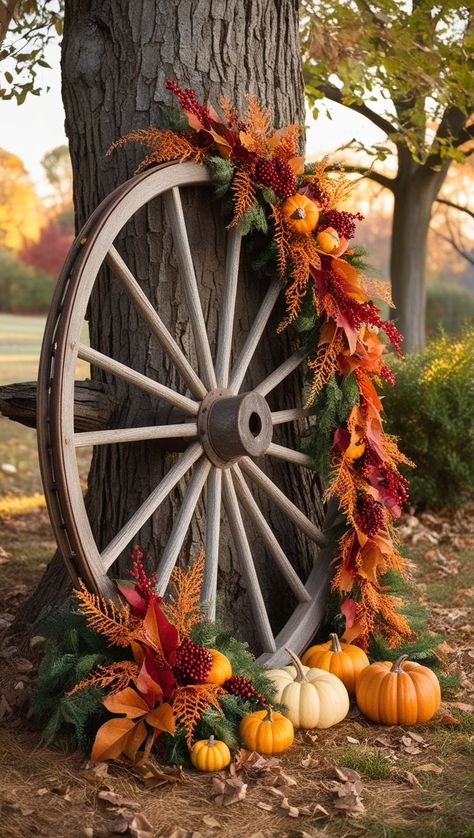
{"x": 458, "y": 207}
{"x": 7, "y": 10}
{"x": 333, "y": 93}
{"x": 377, "y": 177}
{"x": 452, "y": 128}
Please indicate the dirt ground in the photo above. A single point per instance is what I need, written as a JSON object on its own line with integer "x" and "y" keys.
{"x": 352, "y": 780}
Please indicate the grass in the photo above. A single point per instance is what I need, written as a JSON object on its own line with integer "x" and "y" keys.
{"x": 370, "y": 764}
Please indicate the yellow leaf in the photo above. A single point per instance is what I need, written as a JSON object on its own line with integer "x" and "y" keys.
{"x": 110, "y": 739}
{"x": 127, "y": 702}
{"x": 296, "y": 164}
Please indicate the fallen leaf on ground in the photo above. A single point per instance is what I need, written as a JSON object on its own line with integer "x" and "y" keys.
{"x": 117, "y": 799}
{"x": 178, "y": 832}
{"x": 310, "y": 737}
{"x": 138, "y": 826}
{"x": 447, "y": 719}
{"x": 348, "y": 792}
{"x": 293, "y": 811}
{"x": 265, "y": 806}
{"x": 347, "y": 775}
{"x": 430, "y": 767}
{"x": 409, "y": 778}
{"x": 227, "y": 792}
{"x": 211, "y": 821}
{"x": 384, "y": 742}
{"x": 309, "y": 761}
{"x": 460, "y": 705}
{"x": 62, "y": 791}
{"x": 352, "y": 740}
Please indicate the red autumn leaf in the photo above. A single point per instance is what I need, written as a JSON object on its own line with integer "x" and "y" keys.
{"x": 126, "y": 702}
{"x": 348, "y": 608}
{"x": 162, "y": 634}
{"x": 111, "y": 739}
{"x": 138, "y": 603}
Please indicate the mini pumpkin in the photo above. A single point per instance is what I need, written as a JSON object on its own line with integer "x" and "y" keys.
{"x": 266, "y": 732}
{"x": 399, "y": 693}
{"x": 221, "y": 669}
{"x": 301, "y": 212}
{"x": 210, "y": 754}
{"x": 313, "y": 697}
{"x": 356, "y": 447}
{"x": 344, "y": 660}
{"x": 328, "y": 240}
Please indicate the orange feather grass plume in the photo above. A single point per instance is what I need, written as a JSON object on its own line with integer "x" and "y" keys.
{"x": 190, "y": 702}
{"x": 114, "y": 622}
{"x": 183, "y": 607}
{"x": 114, "y": 676}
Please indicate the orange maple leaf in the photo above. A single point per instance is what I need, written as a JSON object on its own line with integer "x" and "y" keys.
{"x": 126, "y": 734}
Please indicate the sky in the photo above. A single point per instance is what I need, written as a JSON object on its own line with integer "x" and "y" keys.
{"x": 37, "y": 126}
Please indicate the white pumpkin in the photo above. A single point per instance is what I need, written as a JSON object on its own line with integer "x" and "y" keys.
{"x": 312, "y": 697}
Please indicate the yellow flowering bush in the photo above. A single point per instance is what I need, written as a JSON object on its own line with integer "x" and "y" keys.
{"x": 432, "y": 412}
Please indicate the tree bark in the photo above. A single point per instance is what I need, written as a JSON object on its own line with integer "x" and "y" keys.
{"x": 415, "y": 190}
{"x": 115, "y": 61}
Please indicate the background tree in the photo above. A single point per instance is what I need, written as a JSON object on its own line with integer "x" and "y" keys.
{"x": 20, "y": 216}
{"x": 405, "y": 67}
{"x": 57, "y": 167}
{"x": 48, "y": 253}
{"x": 115, "y": 60}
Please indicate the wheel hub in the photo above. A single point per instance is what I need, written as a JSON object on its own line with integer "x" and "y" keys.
{"x": 231, "y": 427}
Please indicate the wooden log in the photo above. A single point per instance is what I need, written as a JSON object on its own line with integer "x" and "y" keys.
{"x": 92, "y": 406}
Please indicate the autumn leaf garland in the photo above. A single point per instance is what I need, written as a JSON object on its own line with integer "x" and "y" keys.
{"x": 267, "y": 177}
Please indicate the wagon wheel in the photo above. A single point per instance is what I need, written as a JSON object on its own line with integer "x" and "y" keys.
{"x": 224, "y": 429}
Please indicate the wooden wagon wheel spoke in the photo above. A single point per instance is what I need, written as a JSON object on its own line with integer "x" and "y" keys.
{"x": 148, "y": 507}
{"x": 255, "y": 333}
{"x": 110, "y": 437}
{"x": 263, "y": 528}
{"x": 280, "y": 452}
{"x": 283, "y": 371}
{"x": 240, "y": 539}
{"x": 98, "y": 359}
{"x": 213, "y": 525}
{"x": 286, "y": 505}
{"x": 174, "y": 209}
{"x": 226, "y": 320}
{"x": 156, "y": 325}
{"x": 180, "y": 527}
{"x": 279, "y": 417}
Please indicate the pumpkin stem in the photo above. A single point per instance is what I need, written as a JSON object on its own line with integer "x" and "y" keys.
{"x": 300, "y": 676}
{"x": 211, "y": 741}
{"x": 397, "y": 666}
{"x": 269, "y": 716}
{"x": 298, "y": 214}
{"x": 335, "y": 645}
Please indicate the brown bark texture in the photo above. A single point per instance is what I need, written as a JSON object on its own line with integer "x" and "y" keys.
{"x": 415, "y": 190}
{"x": 115, "y": 61}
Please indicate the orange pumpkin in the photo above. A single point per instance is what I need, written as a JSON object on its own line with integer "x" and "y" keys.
{"x": 301, "y": 212}
{"x": 341, "y": 659}
{"x": 356, "y": 447}
{"x": 328, "y": 240}
{"x": 221, "y": 669}
{"x": 266, "y": 732}
{"x": 402, "y": 693}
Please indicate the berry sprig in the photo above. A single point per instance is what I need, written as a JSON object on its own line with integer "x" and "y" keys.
{"x": 144, "y": 585}
{"x": 277, "y": 175}
{"x": 189, "y": 102}
{"x": 237, "y": 685}
{"x": 193, "y": 662}
{"x": 369, "y": 515}
{"x": 343, "y": 222}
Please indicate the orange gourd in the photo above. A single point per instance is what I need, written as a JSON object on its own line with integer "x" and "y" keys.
{"x": 266, "y": 732}
{"x": 402, "y": 693}
{"x": 301, "y": 212}
{"x": 221, "y": 669}
{"x": 210, "y": 754}
{"x": 328, "y": 240}
{"x": 341, "y": 659}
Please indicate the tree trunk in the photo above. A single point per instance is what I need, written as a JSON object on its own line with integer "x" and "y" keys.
{"x": 116, "y": 58}
{"x": 415, "y": 191}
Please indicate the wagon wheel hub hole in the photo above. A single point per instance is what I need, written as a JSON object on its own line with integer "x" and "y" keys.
{"x": 231, "y": 426}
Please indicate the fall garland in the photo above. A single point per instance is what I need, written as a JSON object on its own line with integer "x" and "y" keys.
{"x": 291, "y": 212}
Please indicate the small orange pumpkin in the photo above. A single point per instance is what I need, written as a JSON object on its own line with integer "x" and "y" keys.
{"x": 328, "y": 240}
{"x": 344, "y": 660}
{"x": 301, "y": 212}
{"x": 221, "y": 669}
{"x": 266, "y": 732}
{"x": 210, "y": 754}
{"x": 402, "y": 693}
{"x": 356, "y": 447}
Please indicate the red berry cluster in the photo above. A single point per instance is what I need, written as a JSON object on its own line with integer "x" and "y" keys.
{"x": 189, "y": 102}
{"x": 144, "y": 585}
{"x": 343, "y": 222}
{"x": 387, "y": 373}
{"x": 359, "y": 313}
{"x": 395, "y": 484}
{"x": 243, "y": 688}
{"x": 193, "y": 662}
{"x": 369, "y": 514}
{"x": 278, "y": 175}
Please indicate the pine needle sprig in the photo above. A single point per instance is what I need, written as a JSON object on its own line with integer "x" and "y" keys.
{"x": 190, "y": 702}
{"x": 115, "y": 676}
{"x": 183, "y": 608}
{"x": 114, "y": 622}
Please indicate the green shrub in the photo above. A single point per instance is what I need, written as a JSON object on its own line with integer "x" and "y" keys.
{"x": 22, "y": 289}
{"x": 431, "y": 410}
{"x": 448, "y": 308}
